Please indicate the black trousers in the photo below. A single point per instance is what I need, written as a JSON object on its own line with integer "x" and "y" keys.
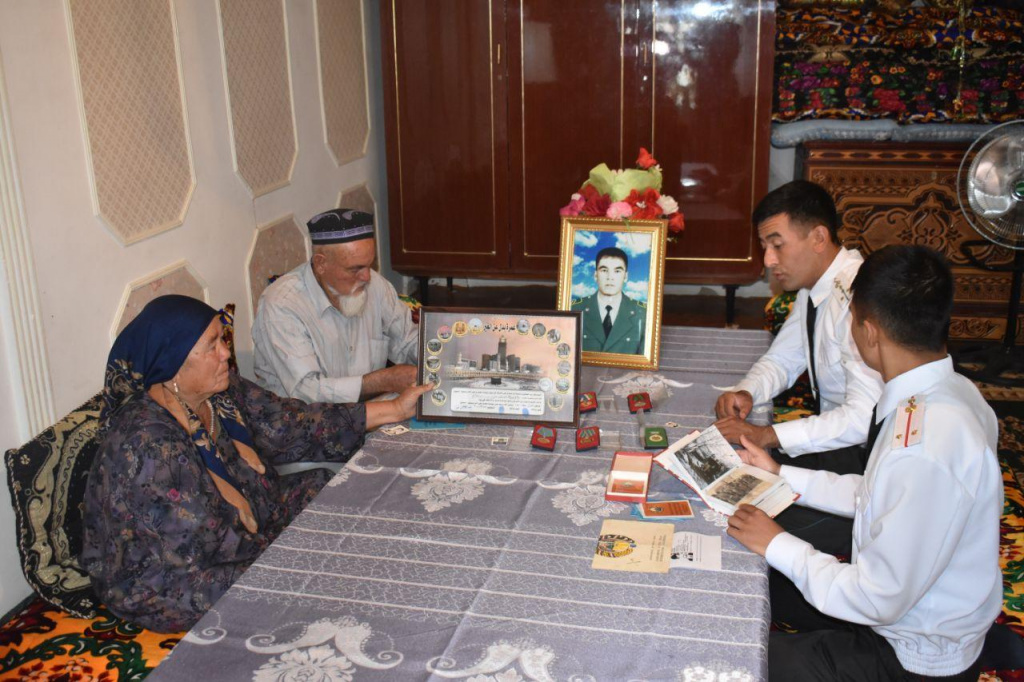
{"x": 829, "y": 649}
{"x": 827, "y": 532}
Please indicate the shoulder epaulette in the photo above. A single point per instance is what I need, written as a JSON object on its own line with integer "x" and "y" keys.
{"x": 909, "y": 427}
{"x": 576, "y": 301}
{"x": 842, "y": 290}
{"x": 642, "y": 304}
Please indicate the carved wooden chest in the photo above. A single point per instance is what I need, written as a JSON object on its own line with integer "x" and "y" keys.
{"x": 891, "y": 193}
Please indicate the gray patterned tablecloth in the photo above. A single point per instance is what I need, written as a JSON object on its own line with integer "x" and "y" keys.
{"x": 437, "y": 555}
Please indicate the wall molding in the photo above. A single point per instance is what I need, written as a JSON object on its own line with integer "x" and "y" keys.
{"x": 152, "y": 277}
{"x": 260, "y": 229}
{"x": 30, "y": 372}
{"x": 341, "y": 160}
{"x": 109, "y": 224}
{"x": 233, "y": 102}
{"x": 341, "y": 203}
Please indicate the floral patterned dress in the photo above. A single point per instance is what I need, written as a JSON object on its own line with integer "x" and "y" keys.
{"x": 160, "y": 542}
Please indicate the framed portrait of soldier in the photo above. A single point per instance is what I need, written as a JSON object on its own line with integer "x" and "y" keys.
{"x": 613, "y": 274}
{"x": 500, "y": 366}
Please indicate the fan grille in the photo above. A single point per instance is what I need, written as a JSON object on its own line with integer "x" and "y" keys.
{"x": 990, "y": 185}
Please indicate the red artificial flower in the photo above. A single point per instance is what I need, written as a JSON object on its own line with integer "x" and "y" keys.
{"x": 573, "y": 208}
{"x": 645, "y": 160}
{"x": 645, "y": 205}
{"x": 676, "y": 222}
{"x": 596, "y": 204}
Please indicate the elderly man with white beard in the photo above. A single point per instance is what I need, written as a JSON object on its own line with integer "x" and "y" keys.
{"x": 325, "y": 331}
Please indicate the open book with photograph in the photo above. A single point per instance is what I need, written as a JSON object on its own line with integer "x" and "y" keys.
{"x": 706, "y": 462}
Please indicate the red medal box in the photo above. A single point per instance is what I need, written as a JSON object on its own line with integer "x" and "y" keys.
{"x": 588, "y": 402}
{"x": 588, "y": 438}
{"x": 544, "y": 437}
{"x": 639, "y": 401}
{"x": 629, "y": 477}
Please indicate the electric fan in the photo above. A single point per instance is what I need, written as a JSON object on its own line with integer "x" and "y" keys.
{"x": 990, "y": 188}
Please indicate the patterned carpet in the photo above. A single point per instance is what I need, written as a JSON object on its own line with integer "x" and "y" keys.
{"x": 41, "y": 643}
{"x": 1011, "y": 551}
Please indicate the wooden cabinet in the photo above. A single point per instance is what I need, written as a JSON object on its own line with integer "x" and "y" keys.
{"x": 890, "y": 193}
{"x": 496, "y": 111}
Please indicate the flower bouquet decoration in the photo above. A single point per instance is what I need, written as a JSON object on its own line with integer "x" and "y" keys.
{"x": 633, "y": 193}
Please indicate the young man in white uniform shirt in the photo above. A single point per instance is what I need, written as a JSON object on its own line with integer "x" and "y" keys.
{"x": 798, "y": 228}
{"x": 924, "y": 584}
{"x": 325, "y": 331}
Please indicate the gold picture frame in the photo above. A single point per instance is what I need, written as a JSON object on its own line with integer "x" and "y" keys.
{"x": 638, "y": 313}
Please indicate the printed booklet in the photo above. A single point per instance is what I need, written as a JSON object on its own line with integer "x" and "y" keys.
{"x": 706, "y": 462}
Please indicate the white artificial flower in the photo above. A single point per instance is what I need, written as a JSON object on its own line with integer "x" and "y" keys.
{"x": 668, "y": 204}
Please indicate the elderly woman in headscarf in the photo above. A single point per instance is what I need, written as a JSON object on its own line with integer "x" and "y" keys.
{"x": 183, "y": 495}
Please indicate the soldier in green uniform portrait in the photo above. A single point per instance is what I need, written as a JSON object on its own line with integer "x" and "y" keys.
{"x": 612, "y": 321}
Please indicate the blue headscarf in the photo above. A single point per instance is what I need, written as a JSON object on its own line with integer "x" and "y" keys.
{"x": 150, "y": 351}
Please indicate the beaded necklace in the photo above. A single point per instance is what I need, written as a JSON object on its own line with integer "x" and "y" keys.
{"x": 209, "y": 406}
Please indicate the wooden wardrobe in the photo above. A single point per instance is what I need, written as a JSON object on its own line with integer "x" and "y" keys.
{"x": 497, "y": 109}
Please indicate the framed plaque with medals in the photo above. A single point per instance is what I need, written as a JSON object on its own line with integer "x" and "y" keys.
{"x": 500, "y": 366}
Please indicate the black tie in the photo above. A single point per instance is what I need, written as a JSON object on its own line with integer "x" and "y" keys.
{"x": 873, "y": 431}
{"x": 812, "y": 315}
{"x": 607, "y": 324}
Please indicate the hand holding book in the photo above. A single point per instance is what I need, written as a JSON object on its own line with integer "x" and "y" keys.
{"x": 756, "y": 456}
{"x": 724, "y": 480}
{"x": 752, "y": 527}
{"x": 733, "y": 428}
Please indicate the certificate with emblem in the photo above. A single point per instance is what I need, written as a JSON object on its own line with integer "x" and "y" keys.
{"x": 636, "y": 546}
{"x": 500, "y": 366}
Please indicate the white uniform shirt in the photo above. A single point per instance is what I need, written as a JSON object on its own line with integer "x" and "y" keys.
{"x": 604, "y": 301}
{"x": 847, "y": 388}
{"x": 925, "y": 567}
{"x": 305, "y": 348}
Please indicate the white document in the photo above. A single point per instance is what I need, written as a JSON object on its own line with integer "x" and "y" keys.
{"x": 692, "y": 550}
{"x": 498, "y": 401}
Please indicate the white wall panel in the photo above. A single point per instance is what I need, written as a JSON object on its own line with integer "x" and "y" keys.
{"x": 81, "y": 272}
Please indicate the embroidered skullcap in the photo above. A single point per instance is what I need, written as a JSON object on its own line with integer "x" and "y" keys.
{"x": 340, "y": 226}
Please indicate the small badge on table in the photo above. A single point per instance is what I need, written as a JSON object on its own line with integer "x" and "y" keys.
{"x": 544, "y": 437}
{"x": 588, "y": 402}
{"x": 588, "y": 438}
{"x": 655, "y": 437}
{"x": 666, "y": 509}
{"x": 639, "y": 401}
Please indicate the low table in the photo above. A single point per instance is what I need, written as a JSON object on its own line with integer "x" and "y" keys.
{"x": 439, "y": 555}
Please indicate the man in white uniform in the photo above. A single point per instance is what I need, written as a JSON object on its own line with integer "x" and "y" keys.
{"x": 325, "y": 331}
{"x": 798, "y": 228}
{"x": 924, "y": 584}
